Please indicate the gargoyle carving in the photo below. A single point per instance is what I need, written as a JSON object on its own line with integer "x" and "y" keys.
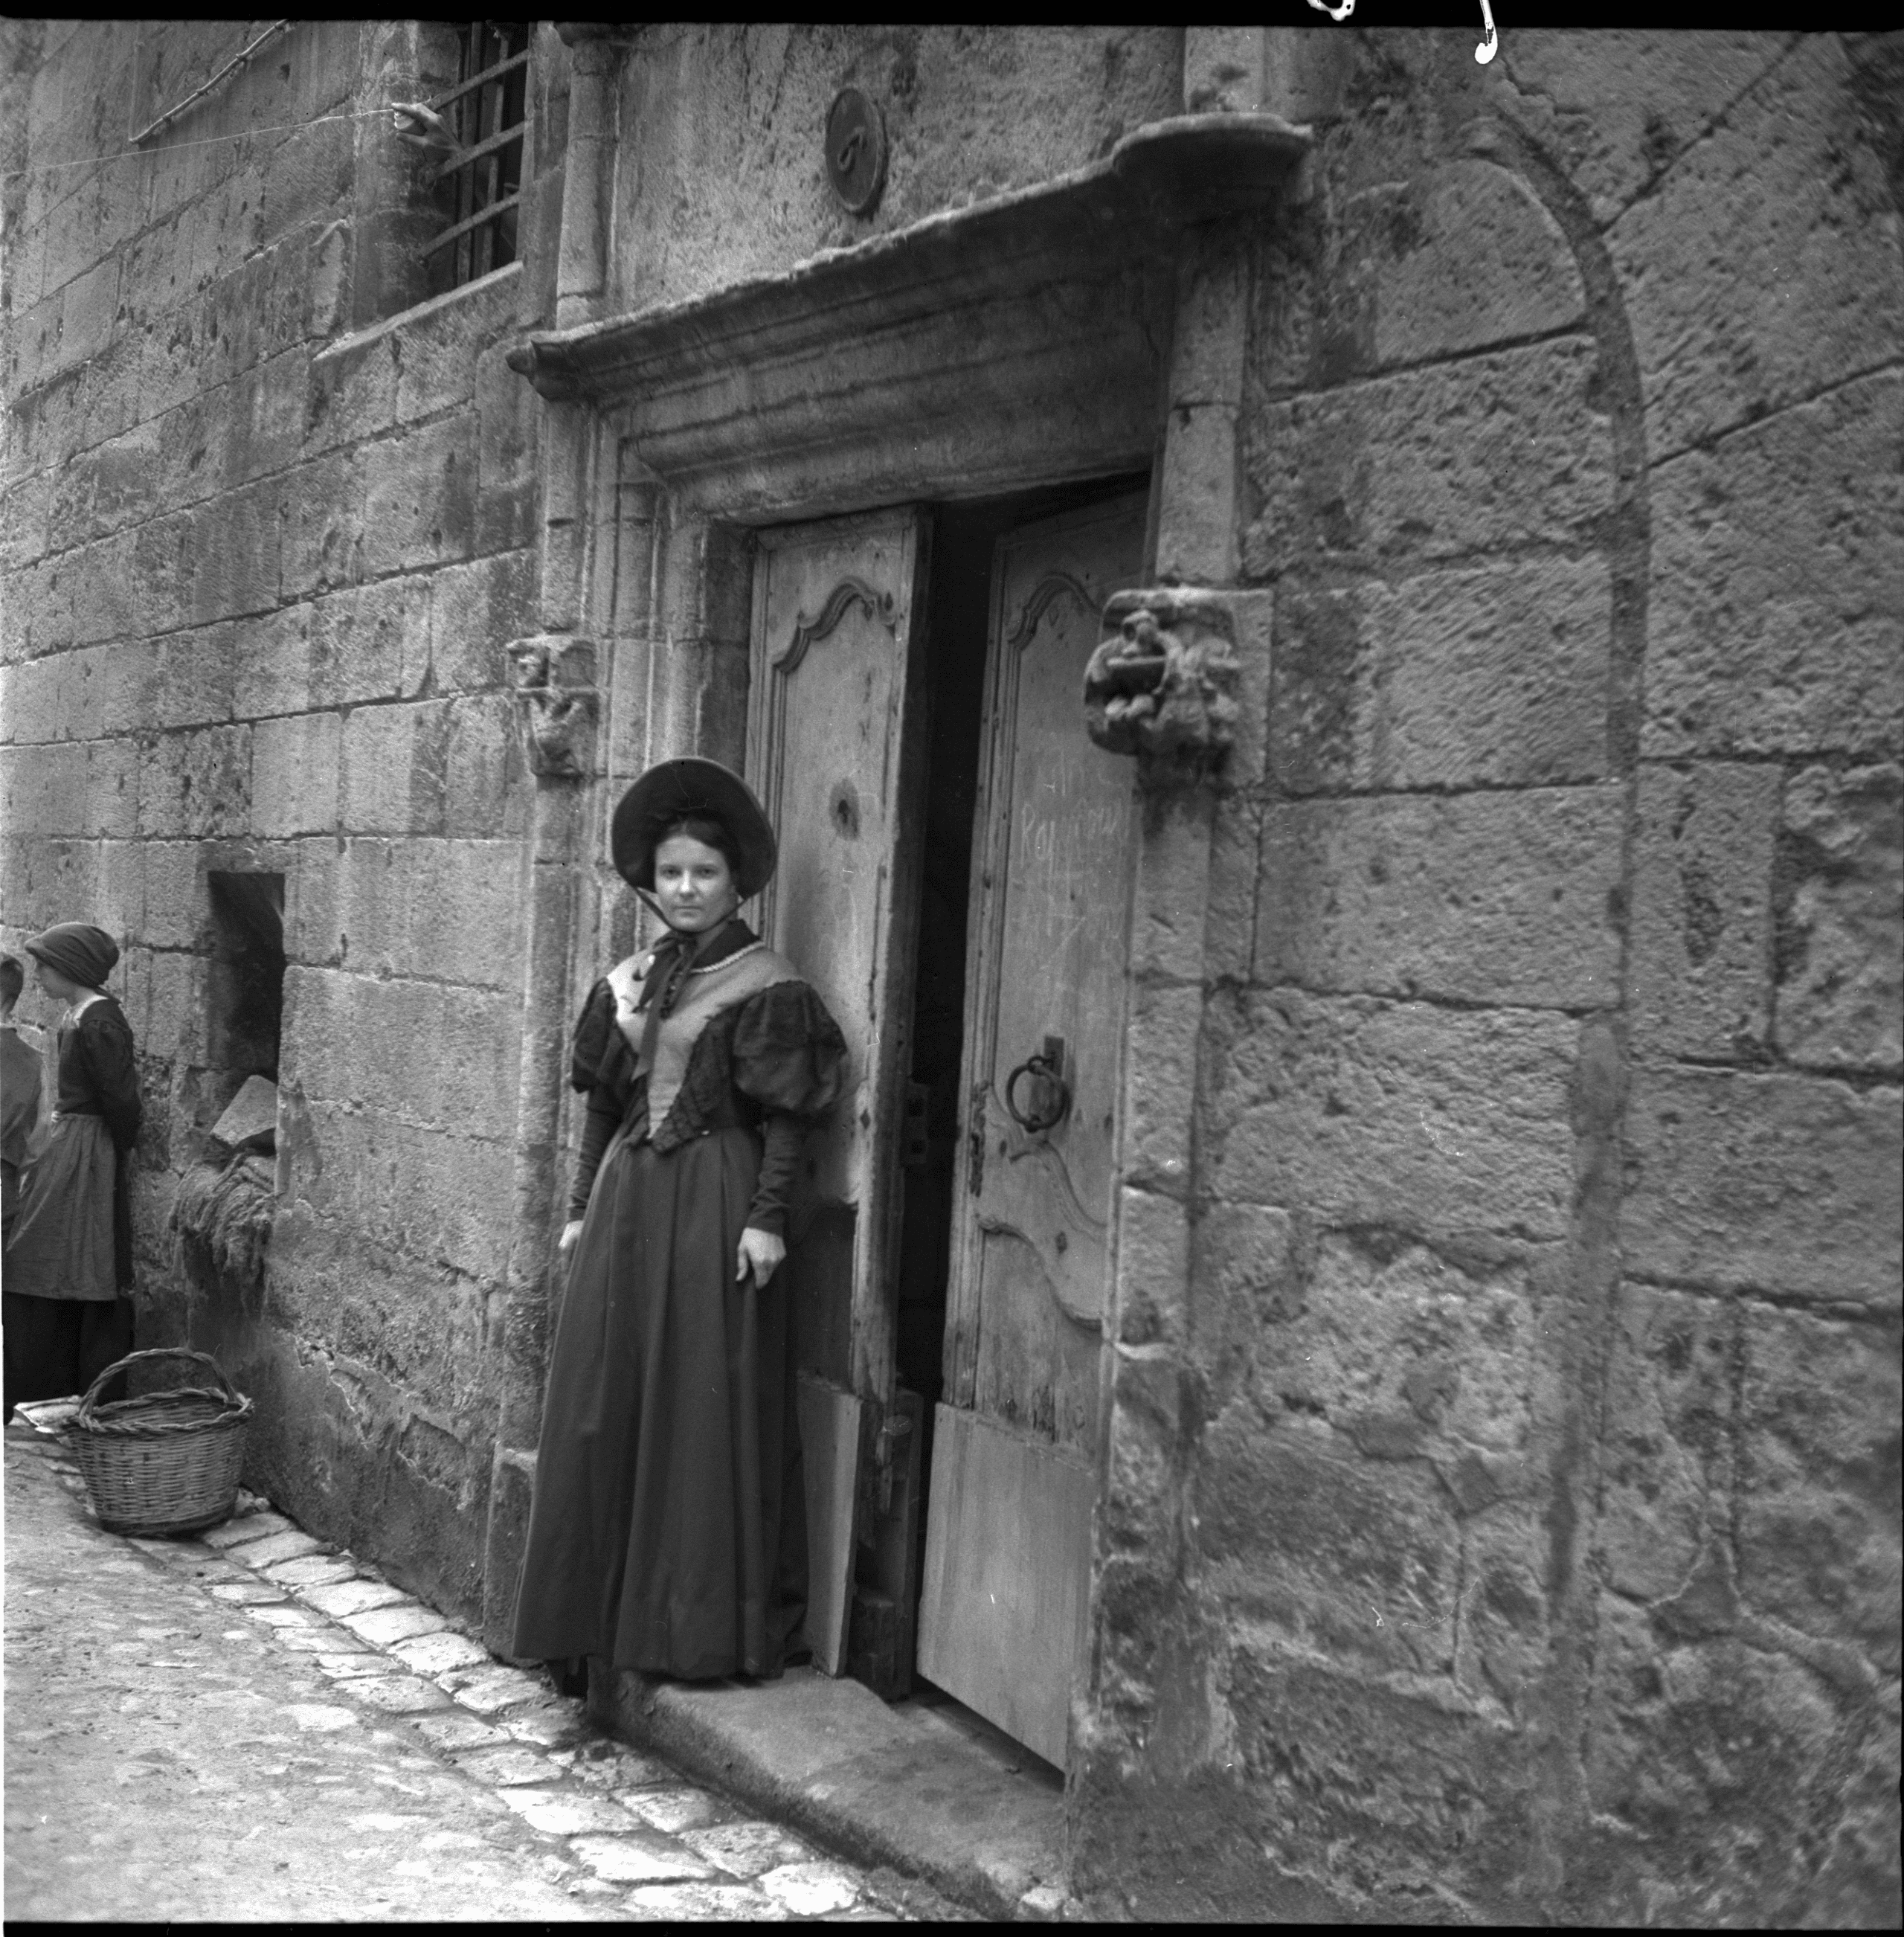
{"x": 1161, "y": 685}
{"x": 553, "y": 675}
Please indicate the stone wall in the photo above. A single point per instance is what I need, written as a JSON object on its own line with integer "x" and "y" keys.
{"x": 1507, "y": 1526}
{"x": 721, "y": 172}
{"x": 268, "y": 526}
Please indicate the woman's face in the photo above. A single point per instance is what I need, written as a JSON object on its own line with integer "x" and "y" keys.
{"x": 61, "y": 988}
{"x": 693, "y": 884}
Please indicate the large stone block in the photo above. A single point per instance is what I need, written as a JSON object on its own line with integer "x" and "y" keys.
{"x": 475, "y": 1059}
{"x": 295, "y": 763}
{"x": 475, "y": 610}
{"x": 32, "y": 700}
{"x": 1783, "y": 1184}
{"x": 1411, "y": 1356}
{"x": 323, "y": 534}
{"x": 1491, "y": 452}
{"x": 1766, "y": 266}
{"x": 1700, "y": 965}
{"x": 1668, "y": 1463}
{"x": 464, "y": 912}
{"x": 1234, "y": 888}
{"x": 1818, "y": 1502}
{"x": 352, "y": 392}
{"x": 1358, "y": 1561}
{"x": 1720, "y": 1767}
{"x": 507, "y": 416}
{"x": 362, "y": 639}
{"x": 193, "y": 678}
{"x": 1460, "y": 259}
{"x": 1490, "y": 898}
{"x": 109, "y": 804}
{"x": 1160, "y": 1087}
{"x": 394, "y": 759}
{"x": 420, "y": 497}
{"x": 274, "y": 671}
{"x": 234, "y": 555}
{"x": 485, "y": 772}
{"x": 1197, "y": 531}
{"x": 1779, "y": 582}
{"x": 124, "y": 584}
{"x": 1244, "y": 1279}
{"x": 442, "y": 345}
{"x": 1152, "y": 1267}
{"x": 1367, "y": 1112}
{"x": 87, "y": 304}
{"x": 1840, "y": 913}
{"x": 264, "y": 420}
{"x": 1615, "y": 109}
{"x": 1496, "y": 675}
{"x": 1378, "y": 1798}
{"x": 175, "y": 914}
{"x": 1505, "y": 1631}
{"x": 197, "y": 784}
{"x": 126, "y": 469}
{"x": 121, "y": 901}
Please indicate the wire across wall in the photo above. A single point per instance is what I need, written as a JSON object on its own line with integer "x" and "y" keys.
{"x": 487, "y": 112}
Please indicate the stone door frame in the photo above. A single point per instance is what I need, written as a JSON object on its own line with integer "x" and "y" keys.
{"x": 1090, "y": 326}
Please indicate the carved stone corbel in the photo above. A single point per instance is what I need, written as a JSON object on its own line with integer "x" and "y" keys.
{"x": 552, "y": 677}
{"x": 1163, "y": 684}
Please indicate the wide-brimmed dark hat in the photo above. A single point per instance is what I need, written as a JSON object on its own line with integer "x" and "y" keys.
{"x": 666, "y": 793}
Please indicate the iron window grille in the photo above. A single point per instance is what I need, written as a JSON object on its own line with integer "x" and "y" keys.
{"x": 487, "y": 112}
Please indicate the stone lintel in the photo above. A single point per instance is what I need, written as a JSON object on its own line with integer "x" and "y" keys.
{"x": 1035, "y": 317}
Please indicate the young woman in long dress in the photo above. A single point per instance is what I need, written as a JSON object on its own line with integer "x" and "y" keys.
{"x": 668, "y": 1528}
{"x": 68, "y": 1261}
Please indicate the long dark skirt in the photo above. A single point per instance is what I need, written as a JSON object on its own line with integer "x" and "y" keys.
{"x": 668, "y": 1531}
{"x": 55, "y": 1348}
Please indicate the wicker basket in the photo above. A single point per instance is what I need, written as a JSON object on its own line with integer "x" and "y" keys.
{"x": 168, "y": 1462}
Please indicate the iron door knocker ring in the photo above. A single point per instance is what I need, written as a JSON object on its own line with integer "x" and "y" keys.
{"x": 1046, "y": 1067}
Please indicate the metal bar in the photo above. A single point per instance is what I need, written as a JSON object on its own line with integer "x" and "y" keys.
{"x": 469, "y": 155}
{"x": 476, "y": 80}
{"x": 470, "y": 222}
{"x": 198, "y": 93}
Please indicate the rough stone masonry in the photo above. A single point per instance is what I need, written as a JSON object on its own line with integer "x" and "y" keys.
{"x": 1500, "y": 1518}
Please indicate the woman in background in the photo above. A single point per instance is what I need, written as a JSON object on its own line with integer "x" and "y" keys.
{"x": 668, "y": 1531}
{"x": 68, "y": 1260}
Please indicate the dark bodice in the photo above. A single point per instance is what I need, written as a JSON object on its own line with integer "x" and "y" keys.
{"x": 98, "y": 1075}
{"x": 774, "y": 1062}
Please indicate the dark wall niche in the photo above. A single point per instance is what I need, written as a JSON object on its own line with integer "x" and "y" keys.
{"x": 245, "y": 984}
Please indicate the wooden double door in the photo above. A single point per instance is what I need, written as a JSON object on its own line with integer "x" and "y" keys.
{"x": 843, "y": 745}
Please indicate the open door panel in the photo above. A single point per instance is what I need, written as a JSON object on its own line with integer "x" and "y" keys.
{"x": 832, "y": 750}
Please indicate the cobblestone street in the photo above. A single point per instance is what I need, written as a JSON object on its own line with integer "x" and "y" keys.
{"x": 249, "y": 1725}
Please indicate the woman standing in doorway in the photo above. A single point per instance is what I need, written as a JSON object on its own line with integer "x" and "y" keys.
{"x": 668, "y": 1531}
{"x": 68, "y": 1261}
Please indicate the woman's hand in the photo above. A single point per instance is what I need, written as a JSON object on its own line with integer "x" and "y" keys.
{"x": 761, "y": 1251}
{"x": 570, "y": 1231}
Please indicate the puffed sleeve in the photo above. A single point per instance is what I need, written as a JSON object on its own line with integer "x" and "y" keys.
{"x": 790, "y": 1058}
{"x": 105, "y": 1039}
{"x": 789, "y": 1054}
{"x": 592, "y": 1067}
{"x": 595, "y": 1034}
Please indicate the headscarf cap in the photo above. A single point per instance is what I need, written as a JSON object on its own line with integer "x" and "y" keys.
{"x": 667, "y": 793}
{"x": 81, "y": 952}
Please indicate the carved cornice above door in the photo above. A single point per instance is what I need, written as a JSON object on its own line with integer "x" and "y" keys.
{"x": 1016, "y": 341}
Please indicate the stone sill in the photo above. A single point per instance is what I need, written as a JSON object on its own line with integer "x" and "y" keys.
{"x": 360, "y": 340}
{"x": 899, "y": 1786}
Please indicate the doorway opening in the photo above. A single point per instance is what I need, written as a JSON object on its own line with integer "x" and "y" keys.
{"x": 959, "y": 592}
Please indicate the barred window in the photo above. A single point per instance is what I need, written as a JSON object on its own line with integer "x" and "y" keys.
{"x": 480, "y": 185}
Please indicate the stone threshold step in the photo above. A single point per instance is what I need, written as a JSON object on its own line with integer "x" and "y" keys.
{"x": 901, "y": 1787}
